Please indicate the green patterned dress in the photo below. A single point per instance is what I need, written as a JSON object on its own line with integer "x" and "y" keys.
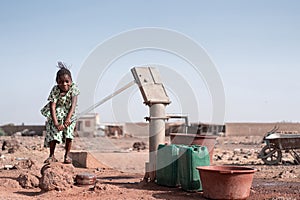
{"x": 63, "y": 105}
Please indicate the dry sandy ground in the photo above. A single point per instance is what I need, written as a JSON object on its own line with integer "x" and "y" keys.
{"x": 122, "y": 179}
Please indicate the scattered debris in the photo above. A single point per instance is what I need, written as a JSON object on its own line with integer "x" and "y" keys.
{"x": 101, "y": 187}
{"x": 8, "y": 167}
{"x": 11, "y": 150}
{"x": 28, "y": 181}
{"x": 286, "y": 174}
{"x": 24, "y": 163}
{"x": 139, "y": 146}
{"x": 35, "y": 147}
{"x": 11, "y": 145}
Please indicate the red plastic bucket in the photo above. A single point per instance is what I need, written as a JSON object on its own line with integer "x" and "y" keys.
{"x": 226, "y": 182}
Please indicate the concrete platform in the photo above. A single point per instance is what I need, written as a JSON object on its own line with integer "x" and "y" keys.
{"x": 86, "y": 160}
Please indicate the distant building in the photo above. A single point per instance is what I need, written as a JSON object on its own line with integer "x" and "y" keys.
{"x": 114, "y": 129}
{"x": 88, "y": 125}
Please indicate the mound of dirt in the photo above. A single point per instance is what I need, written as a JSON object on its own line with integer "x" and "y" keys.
{"x": 27, "y": 180}
{"x": 56, "y": 176}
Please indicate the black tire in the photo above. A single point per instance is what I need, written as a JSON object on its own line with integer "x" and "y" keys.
{"x": 271, "y": 155}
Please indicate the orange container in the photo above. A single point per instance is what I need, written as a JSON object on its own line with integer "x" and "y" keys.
{"x": 226, "y": 182}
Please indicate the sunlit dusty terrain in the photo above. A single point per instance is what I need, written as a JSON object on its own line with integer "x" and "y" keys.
{"x": 125, "y": 168}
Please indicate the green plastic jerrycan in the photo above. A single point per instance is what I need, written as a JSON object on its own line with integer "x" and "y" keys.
{"x": 189, "y": 158}
{"x": 167, "y": 165}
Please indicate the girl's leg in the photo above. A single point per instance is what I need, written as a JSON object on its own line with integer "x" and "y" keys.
{"x": 69, "y": 131}
{"x": 52, "y": 146}
{"x": 68, "y": 149}
{"x": 51, "y": 140}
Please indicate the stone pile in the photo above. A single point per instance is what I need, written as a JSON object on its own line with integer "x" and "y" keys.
{"x": 28, "y": 180}
{"x": 10, "y": 145}
{"x": 137, "y": 146}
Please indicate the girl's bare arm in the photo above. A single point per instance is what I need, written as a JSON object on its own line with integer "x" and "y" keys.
{"x": 71, "y": 111}
{"x": 54, "y": 118}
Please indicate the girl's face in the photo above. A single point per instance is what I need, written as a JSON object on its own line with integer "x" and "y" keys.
{"x": 64, "y": 82}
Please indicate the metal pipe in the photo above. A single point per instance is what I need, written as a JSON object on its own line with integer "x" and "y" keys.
{"x": 156, "y": 134}
{"x": 128, "y": 85}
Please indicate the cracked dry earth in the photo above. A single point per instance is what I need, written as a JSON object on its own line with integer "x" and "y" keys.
{"x": 122, "y": 178}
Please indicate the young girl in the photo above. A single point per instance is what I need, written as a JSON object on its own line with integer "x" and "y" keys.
{"x": 60, "y": 113}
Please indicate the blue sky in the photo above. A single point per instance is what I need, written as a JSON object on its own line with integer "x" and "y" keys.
{"x": 254, "y": 45}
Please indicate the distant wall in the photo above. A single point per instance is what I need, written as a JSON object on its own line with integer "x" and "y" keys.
{"x": 11, "y": 129}
{"x": 137, "y": 129}
{"x": 258, "y": 129}
{"x": 142, "y": 129}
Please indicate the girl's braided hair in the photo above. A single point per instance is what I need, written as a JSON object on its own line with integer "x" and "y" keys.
{"x": 63, "y": 69}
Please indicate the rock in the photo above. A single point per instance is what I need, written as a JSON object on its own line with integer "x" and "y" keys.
{"x": 104, "y": 187}
{"x": 28, "y": 180}
{"x": 7, "y": 167}
{"x": 56, "y": 176}
{"x": 236, "y": 151}
{"x": 139, "y": 146}
{"x": 99, "y": 186}
{"x": 11, "y": 150}
{"x": 24, "y": 164}
{"x": 219, "y": 157}
{"x": 11, "y": 145}
{"x": 286, "y": 174}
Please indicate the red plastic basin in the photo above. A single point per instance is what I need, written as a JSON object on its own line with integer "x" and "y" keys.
{"x": 226, "y": 182}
